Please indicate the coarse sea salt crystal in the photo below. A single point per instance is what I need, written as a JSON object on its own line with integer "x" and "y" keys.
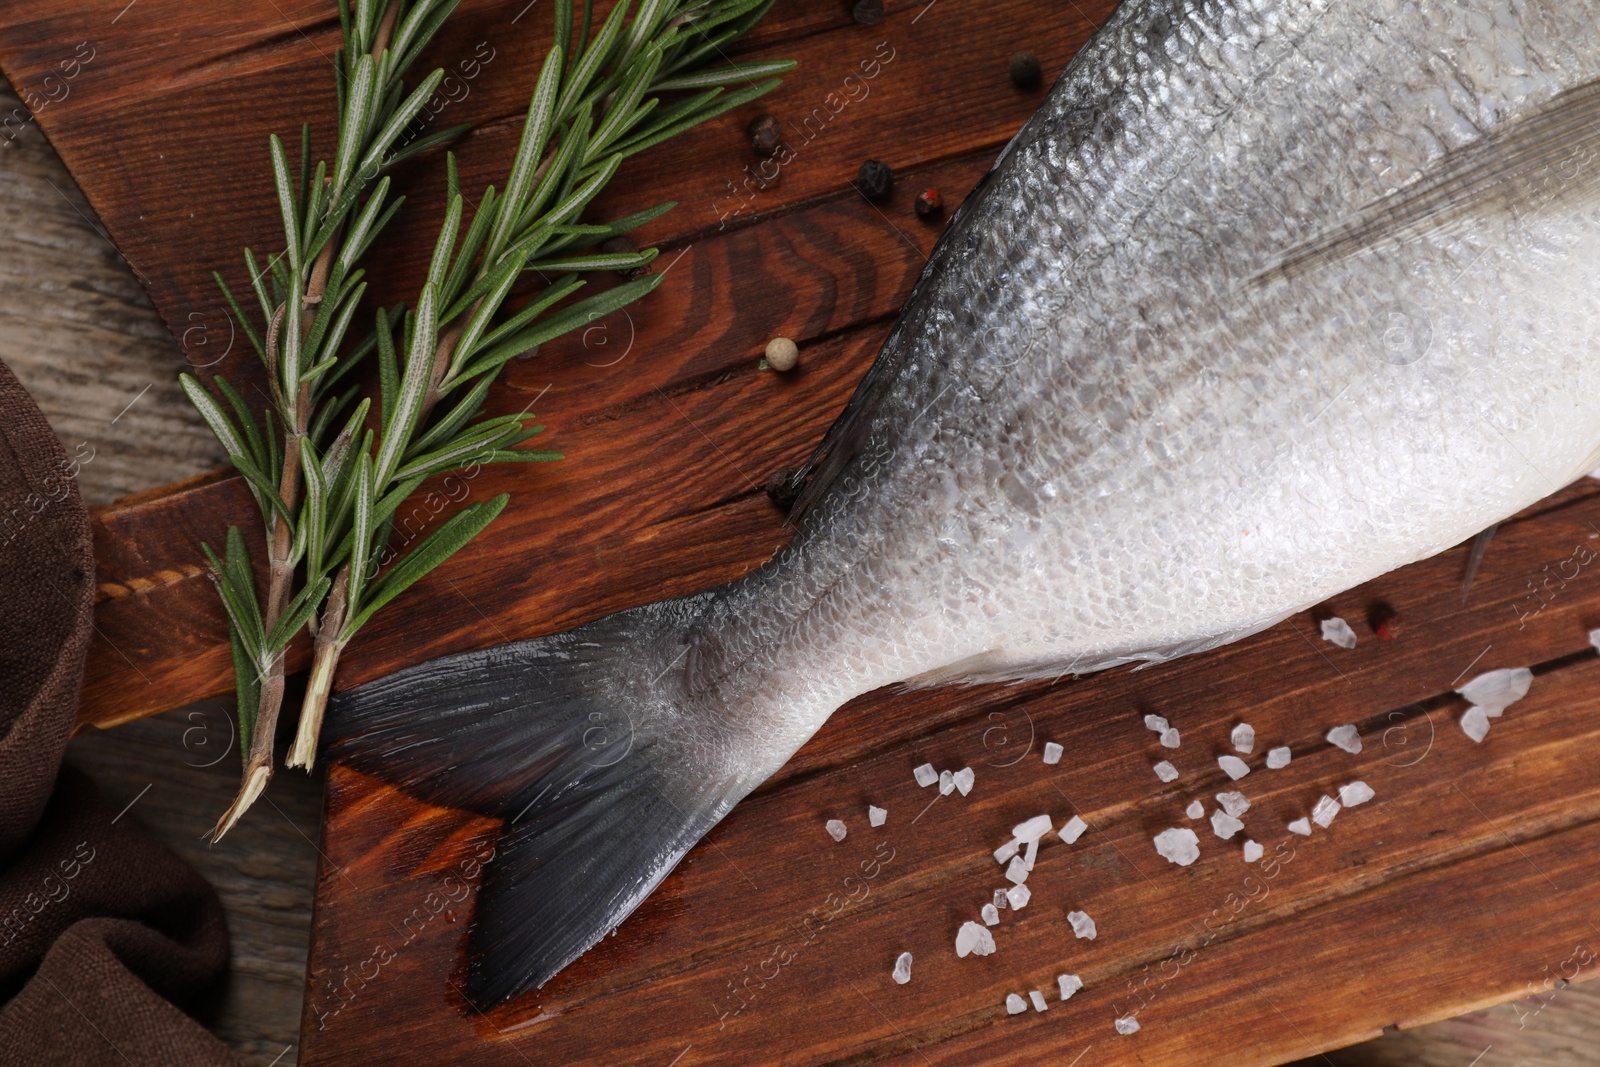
{"x": 1155, "y": 723}
{"x": 1235, "y": 803}
{"x": 1244, "y": 738}
{"x": 1475, "y": 723}
{"x": 836, "y": 829}
{"x": 902, "y": 968}
{"x": 1195, "y": 810}
{"x": 1252, "y": 851}
{"x": 947, "y": 783}
{"x": 1355, "y": 793}
{"x": 999, "y": 899}
{"x": 1017, "y": 871}
{"x": 876, "y": 816}
{"x": 990, "y": 914}
{"x": 1033, "y": 829}
{"x": 1069, "y": 984}
{"x": 1496, "y": 691}
{"x": 1323, "y": 813}
{"x": 973, "y": 940}
{"x": 1038, "y": 1000}
{"x": 1301, "y": 827}
{"x": 1338, "y": 631}
{"x": 1052, "y": 752}
{"x": 1170, "y": 738}
{"x": 1073, "y": 829}
{"x": 1004, "y": 853}
{"x": 1233, "y": 766}
{"x": 1594, "y": 636}
{"x": 1032, "y": 854}
{"x": 1278, "y": 758}
{"x": 964, "y": 779}
{"x": 926, "y": 775}
{"x": 1018, "y": 896}
{"x": 1082, "y": 925}
{"x": 1346, "y": 737}
{"x": 1166, "y": 771}
{"x": 1015, "y": 1005}
{"x": 1225, "y": 825}
{"x": 1178, "y": 845}
{"x": 1127, "y": 1024}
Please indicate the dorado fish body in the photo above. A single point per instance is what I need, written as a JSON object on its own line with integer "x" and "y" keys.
{"x": 1266, "y": 299}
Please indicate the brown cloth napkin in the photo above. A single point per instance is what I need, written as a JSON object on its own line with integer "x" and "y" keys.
{"x": 103, "y": 931}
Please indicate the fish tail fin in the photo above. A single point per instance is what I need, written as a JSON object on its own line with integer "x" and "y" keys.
{"x": 570, "y": 742}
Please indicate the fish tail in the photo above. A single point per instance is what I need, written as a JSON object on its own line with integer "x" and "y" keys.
{"x": 570, "y": 741}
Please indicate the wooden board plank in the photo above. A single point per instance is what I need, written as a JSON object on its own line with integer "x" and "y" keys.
{"x": 1449, "y": 891}
{"x": 808, "y": 258}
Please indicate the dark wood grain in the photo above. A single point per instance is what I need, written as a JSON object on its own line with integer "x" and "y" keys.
{"x": 1465, "y": 877}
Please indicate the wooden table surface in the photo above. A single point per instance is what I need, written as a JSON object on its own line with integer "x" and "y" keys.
{"x": 1454, "y": 903}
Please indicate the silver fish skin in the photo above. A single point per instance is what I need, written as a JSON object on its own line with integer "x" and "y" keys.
{"x": 1267, "y": 299}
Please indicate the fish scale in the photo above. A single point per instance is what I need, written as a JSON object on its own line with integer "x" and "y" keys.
{"x": 1265, "y": 300}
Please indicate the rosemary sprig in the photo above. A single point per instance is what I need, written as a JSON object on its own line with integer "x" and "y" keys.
{"x": 330, "y": 468}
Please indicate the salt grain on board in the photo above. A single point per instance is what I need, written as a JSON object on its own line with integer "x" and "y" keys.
{"x": 1252, "y": 851}
{"x": 947, "y": 783}
{"x": 1301, "y": 827}
{"x": 1225, "y": 825}
{"x": 1346, "y": 737}
{"x": 964, "y": 779}
{"x": 1038, "y": 1000}
{"x": 999, "y": 899}
{"x": 1015, "y": 1005}
{"x": 1017, "y": 871}
{"x": 990, "y": 914}
{"x": 1073, "y": 829}
{"x": 1278, "y": 758}
{"x": 1323, "y": 813}
{"x": 1244, "y": 738}
{"x": 1032, "y": 854}
{"x": 1195, "y": 810}
{"x": 1052, "y": 753}
{"x": 1018, "y": 896}
{"x": 1069, "y": 984}
{"x": 1127, "y": 1024}
{"x": 902, "y": 968}
{"x": 1170, "y": 738}
{"x": 1082, "y": 925}
{"x": 1004, "y": 853}
{"x": 1496, "y": 691}
{"x": 1338, "y": 631}
{"x": 876, "y": 816}
{"x": 1178, "y": 845}
{"x": 1235, "y": 803}
{"x": 836, "y": 829}
{"x": 1155, "y": 723}
{"x": 1594, "y": 639}
{"x": 1033, "y": 829}
{"x": 1233, "y": 767}
{"x": 1355, "y": 793}
{"x": 1475, "y": 723}
{"x": 1166, "y": 771}
{"x": 973, "y": 940}
{"x": 926, "y": 775}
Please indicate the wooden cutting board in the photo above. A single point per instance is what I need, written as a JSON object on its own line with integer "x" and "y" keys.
{"x": 1464, "y": 883}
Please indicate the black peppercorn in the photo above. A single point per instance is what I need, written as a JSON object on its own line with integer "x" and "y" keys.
{"x": 929, "y": 204}
{"x": 766, "y": 133}
{"x": 867, "y": 12}
{"x": 875, "y": 180}
{"x": 1025, "y": 73}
